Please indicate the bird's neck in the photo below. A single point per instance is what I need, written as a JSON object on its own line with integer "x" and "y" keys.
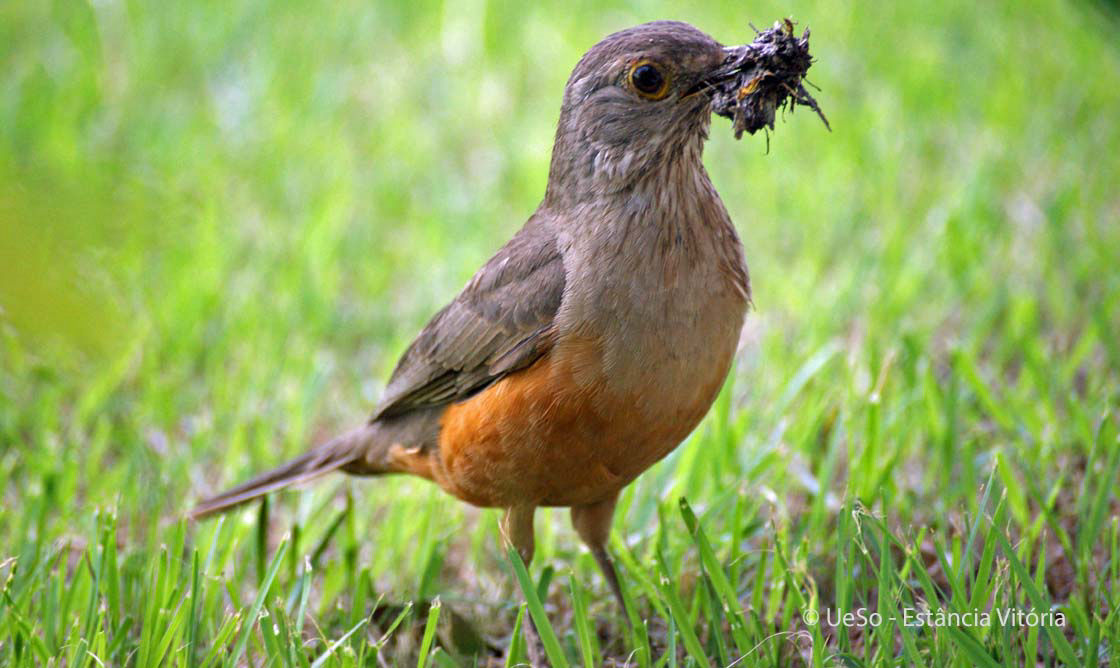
{"x": 665, "y": 218}
{"x": 670, "y": 214}
{"x": 585, "y": 171}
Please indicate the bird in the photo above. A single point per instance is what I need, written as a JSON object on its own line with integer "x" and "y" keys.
{"x": 596, "y": 339}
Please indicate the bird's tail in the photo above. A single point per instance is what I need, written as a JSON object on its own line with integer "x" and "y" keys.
{"x": 331, "y": 456}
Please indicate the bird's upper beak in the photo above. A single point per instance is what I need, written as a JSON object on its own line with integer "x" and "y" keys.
{"x": 734, "y": 57}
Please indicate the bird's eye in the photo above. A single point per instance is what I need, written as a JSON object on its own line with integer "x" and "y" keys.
{"x": 648, "y": 81}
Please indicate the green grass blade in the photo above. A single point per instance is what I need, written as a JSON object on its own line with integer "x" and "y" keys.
{"x": 680, "y": 616}
{"x": 975, "y": 652}
{"x": 321, "y": 660}
{"x": 1040, "y": 602}
{"x": 584, "y": 632}
{"x": 515, "y": 653}
{"x": 250, "y": 620}
{"x": 713, "y": 570}
{"x": 429, "y": 633}
{"x": 536, "y": 610}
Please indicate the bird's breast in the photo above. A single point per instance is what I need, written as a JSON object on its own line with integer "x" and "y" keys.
{"x": 661, "y": 330}
{"x": 664, "y": 301}
{"x": 651, "y": 333}
{"x": 644, "y": 337}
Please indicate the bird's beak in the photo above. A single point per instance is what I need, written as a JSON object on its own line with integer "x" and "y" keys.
{"x": 734, "y": 58}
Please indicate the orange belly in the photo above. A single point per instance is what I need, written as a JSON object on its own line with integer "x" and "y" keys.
{"x": 558, "y": 434}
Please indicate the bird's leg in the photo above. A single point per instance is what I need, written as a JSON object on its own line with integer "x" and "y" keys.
{"x": 517, "y": 530}
{"x": 593, "y": 524}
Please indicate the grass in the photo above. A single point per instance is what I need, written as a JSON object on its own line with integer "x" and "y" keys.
{"x": 220, "y": 223}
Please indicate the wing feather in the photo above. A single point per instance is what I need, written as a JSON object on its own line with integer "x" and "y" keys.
{"x": 500, "y": 322}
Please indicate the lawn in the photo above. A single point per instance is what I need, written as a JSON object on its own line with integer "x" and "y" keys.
{"x": 221, "y": 223}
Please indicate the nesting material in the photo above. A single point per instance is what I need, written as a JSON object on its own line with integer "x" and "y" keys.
{"x": 766, "y": 75}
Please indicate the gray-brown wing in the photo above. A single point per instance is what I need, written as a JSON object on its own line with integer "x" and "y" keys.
{"x": 499, "y": 323}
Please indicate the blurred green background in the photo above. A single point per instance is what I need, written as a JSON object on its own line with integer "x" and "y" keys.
{"x": 221, "y": 222}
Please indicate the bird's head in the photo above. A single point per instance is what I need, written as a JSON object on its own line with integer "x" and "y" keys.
{"x": 637, "y": 101}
